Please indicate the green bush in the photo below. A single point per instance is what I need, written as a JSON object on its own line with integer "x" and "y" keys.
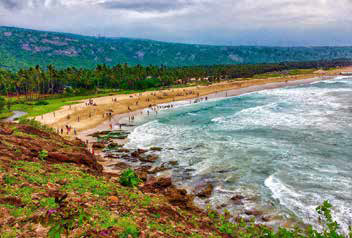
{"x": 41, "y": 103}
{"x": 35, "y": 124}
{"x": 129, "y": 178}
{"x": 43, "y": 154}
{"x": 2, "y": 103}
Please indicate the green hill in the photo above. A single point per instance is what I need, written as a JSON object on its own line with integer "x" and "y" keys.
{"x": 24, "y": 48}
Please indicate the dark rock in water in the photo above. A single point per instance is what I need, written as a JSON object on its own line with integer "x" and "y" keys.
{"x": 106, "y": 135}
{"x": 266, "y": 218}
{"x": 141, "y": 151}
{"x": 204, "y": 191}
{"x": 173, "y": 162}
{"x": 98, "y": 145}
{"x": 237, "y": 199}
{"x": 157, "y": 169}
{"x": 112, "y": 146}
{"x": 221, "y": 206}
{"x": 189, "y": 170}
{"x": 145, "y": 168}
{"x": 149, "y": 159}
{"x": 253, "y": 212}
{"x": 156, "y": 148}
{"x": 135, "y": 154}
{"x": 123, "y": 150}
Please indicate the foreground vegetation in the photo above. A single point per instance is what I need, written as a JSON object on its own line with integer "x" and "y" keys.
{"x": 43, "y": 197}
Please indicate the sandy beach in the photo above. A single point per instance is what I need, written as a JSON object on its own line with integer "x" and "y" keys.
{"x": 89, "y": 118}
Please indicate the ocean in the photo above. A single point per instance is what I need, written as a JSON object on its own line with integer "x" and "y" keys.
{"x": 286, "y": 150}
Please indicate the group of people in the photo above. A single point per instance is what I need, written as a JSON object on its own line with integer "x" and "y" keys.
{"x": 68, "y": 130}
{"x": 90, "y": 102}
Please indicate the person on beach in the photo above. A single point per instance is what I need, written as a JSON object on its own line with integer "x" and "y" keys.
{"x": 110, "y": 127}
{"x": 75, "y": 131}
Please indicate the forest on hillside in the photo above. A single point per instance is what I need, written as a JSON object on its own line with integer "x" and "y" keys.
{"x": 51, "y": 80}
{"x": 24, "y": 48}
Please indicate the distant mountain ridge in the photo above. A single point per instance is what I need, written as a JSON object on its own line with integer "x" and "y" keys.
{"x": 21, "y": 48}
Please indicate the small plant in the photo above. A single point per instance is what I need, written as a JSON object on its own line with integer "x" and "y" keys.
{"x": 43, "y": 154}
{"x": 130, "y": 229}
{"x": 331, "y": 229}
{"x": 129, "y": 178}
{"x": 9, "y": 179}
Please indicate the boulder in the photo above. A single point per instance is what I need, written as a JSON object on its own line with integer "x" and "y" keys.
{"x": 157, "y": 184}
{"x": 237, "y": 199}
{"x": 204, "y": 191}
{"x": 149, "y": 159}
{"x": 98, "y": 145}
{"x": 253, "y": 212}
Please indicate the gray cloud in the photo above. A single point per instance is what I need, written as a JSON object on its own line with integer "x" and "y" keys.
{"x": 147, "y": 5}
{"x": 11, "y": 4}
{"x": 224, "y": 22}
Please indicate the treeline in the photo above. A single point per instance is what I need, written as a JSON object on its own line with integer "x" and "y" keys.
{"x": 54, "y": 81}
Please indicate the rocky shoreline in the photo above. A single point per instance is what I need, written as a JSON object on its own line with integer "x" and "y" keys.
{"x": 158, "y": 177}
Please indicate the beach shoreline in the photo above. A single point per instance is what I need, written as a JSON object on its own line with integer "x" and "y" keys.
{"x": 84, "y": 118}
{"x": 120, "y": 118}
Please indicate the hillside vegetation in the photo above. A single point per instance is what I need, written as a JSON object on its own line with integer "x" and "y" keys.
{"x": 51, "y": 187}
{"x": 21, "y": 48}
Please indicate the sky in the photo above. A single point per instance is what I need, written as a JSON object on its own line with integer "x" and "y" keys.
{"x": 217, "y": 22}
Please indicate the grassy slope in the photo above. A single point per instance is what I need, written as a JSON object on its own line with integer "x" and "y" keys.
{"x": 40, "y": 198}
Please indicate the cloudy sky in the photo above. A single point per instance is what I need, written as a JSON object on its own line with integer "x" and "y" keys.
{"x": 224, "y": 22}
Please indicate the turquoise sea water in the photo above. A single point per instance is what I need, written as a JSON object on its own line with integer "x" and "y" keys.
{"x": 286, "y": 150}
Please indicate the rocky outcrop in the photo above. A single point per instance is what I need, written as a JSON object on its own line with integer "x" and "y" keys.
{"x": 204, "y": 190}
{"x": 175, "y": 196}
{"x": 24, "y": 142}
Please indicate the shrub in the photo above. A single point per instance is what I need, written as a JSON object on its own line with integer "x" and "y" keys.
{"x": 2, "y": 103}
{"x": 35, "y": 124}
{"x": 43, "y": 154}
{"x": 129, "y": 178}
{"x": 41, "y": 103}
